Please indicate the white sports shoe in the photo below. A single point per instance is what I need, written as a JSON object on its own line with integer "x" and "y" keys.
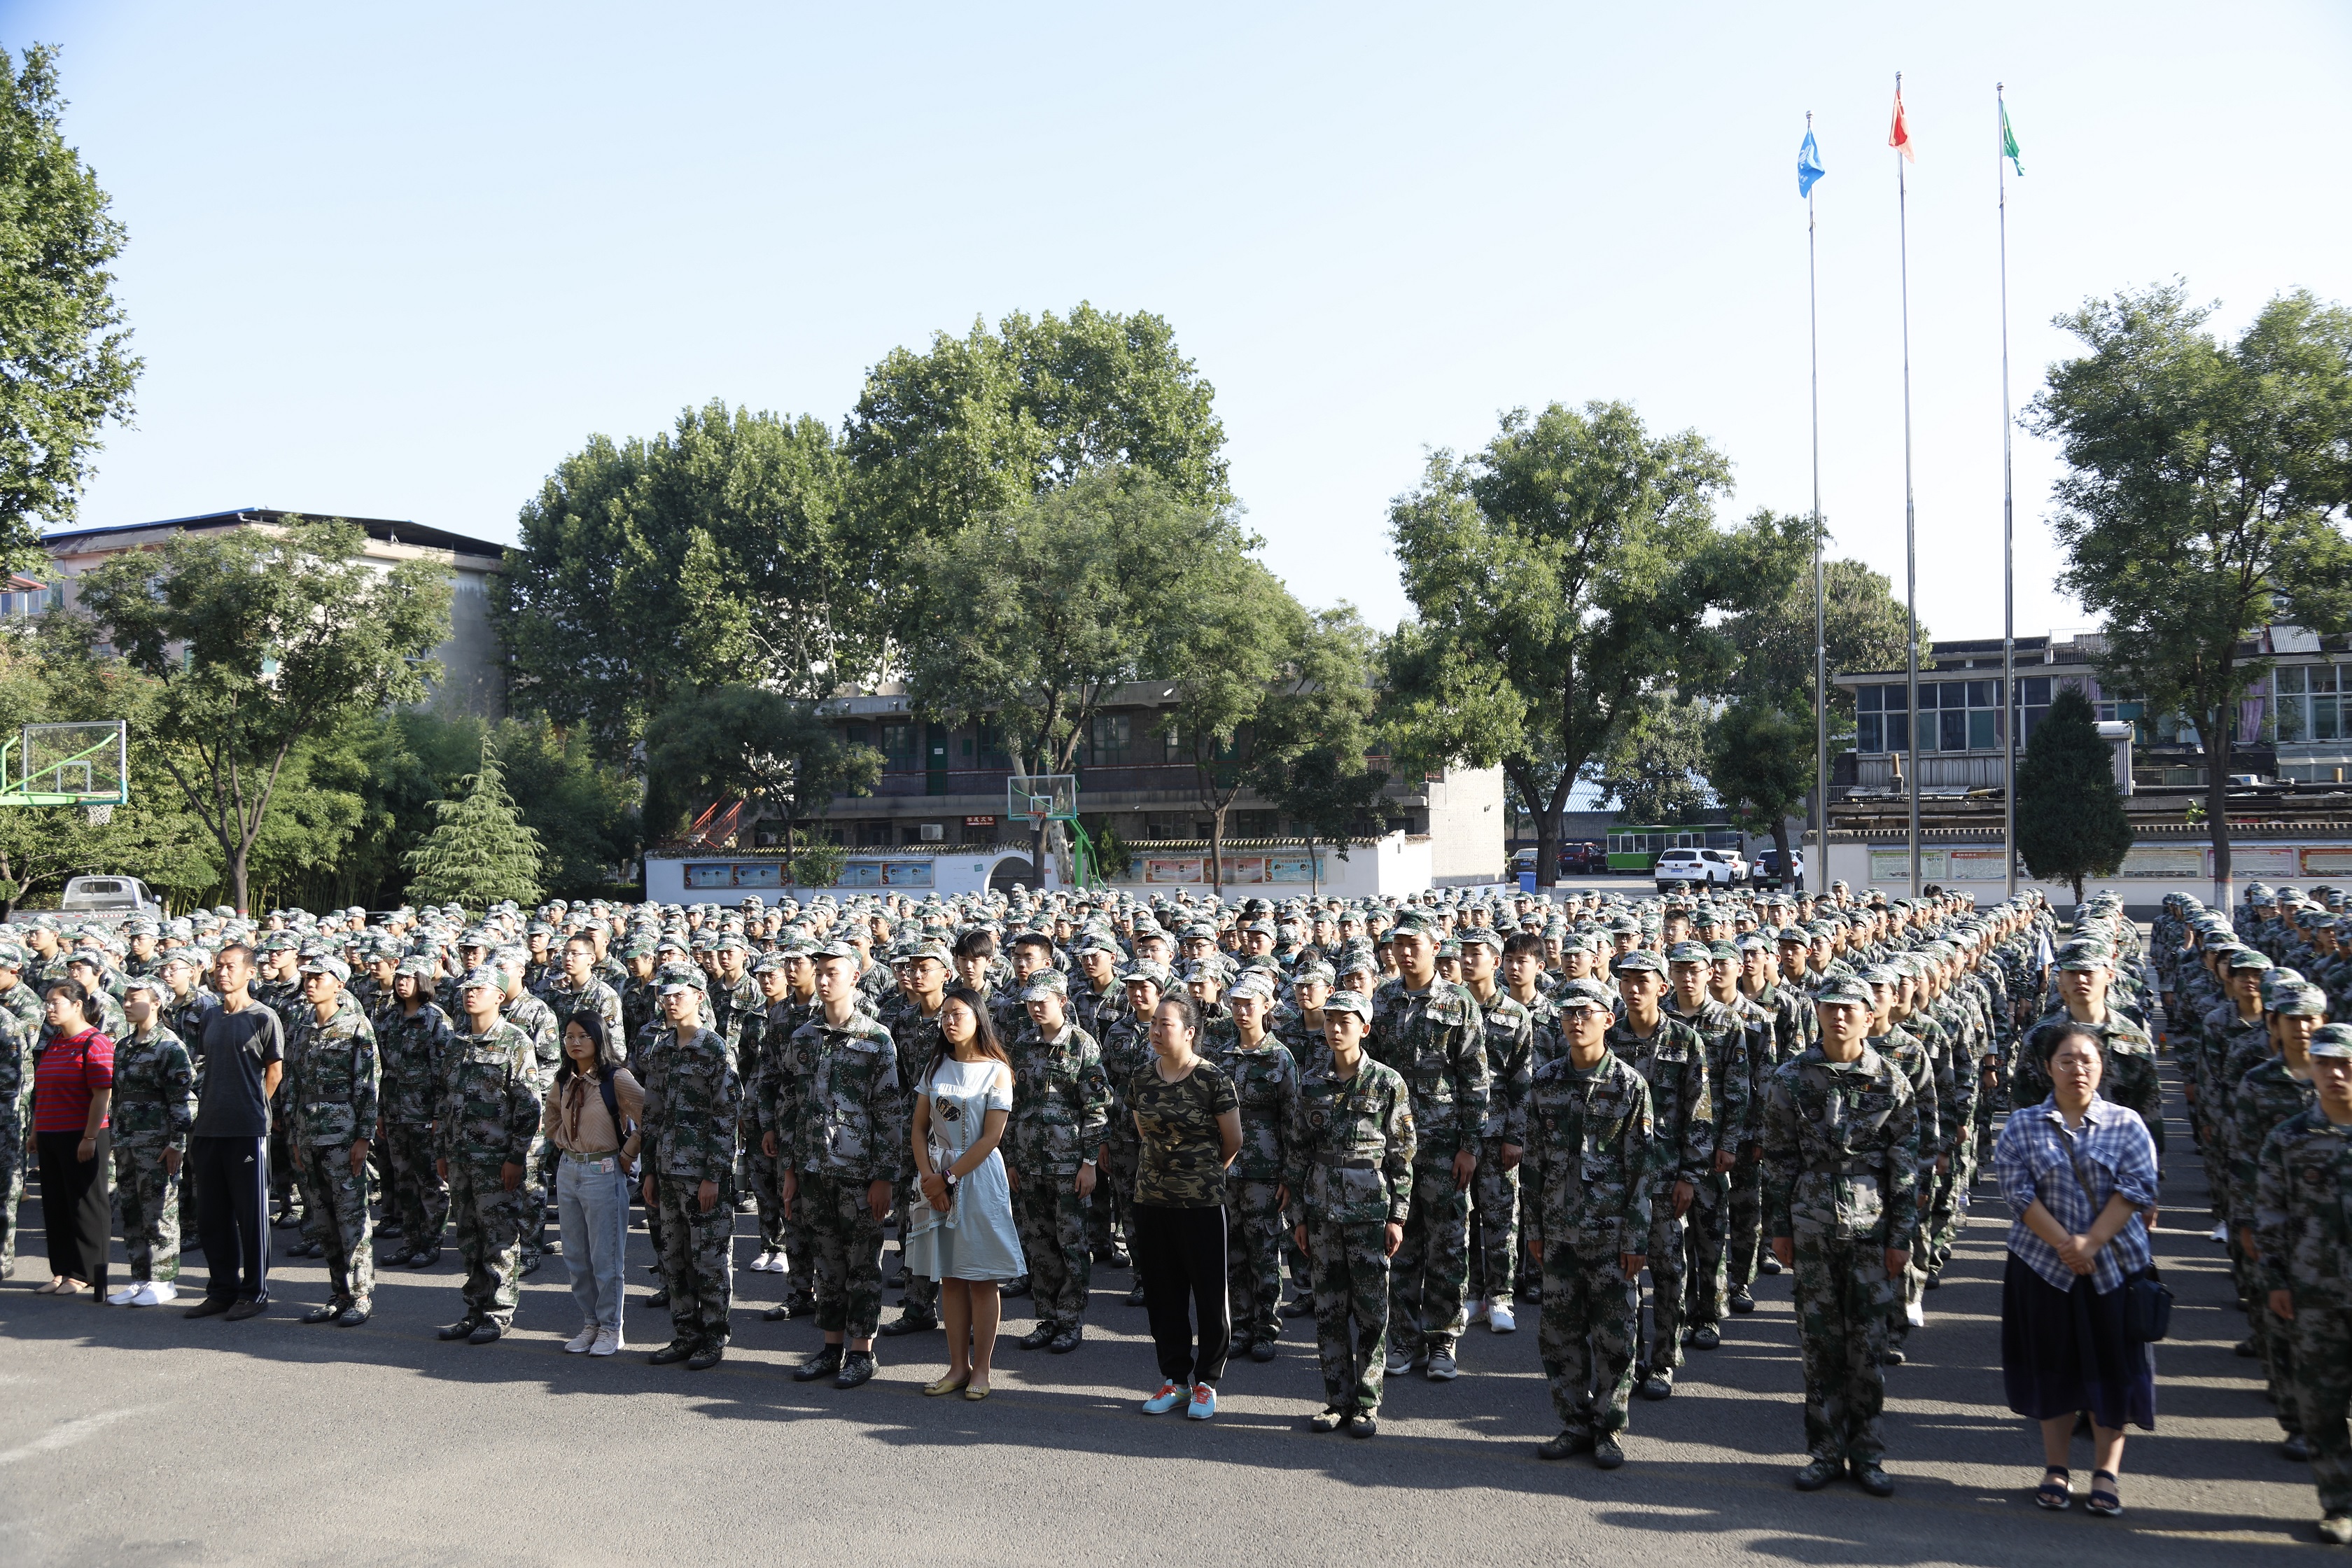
{"x": 1500, "y": 1320}
{"x": 1478, "y": 1311}
{"x": 156, "y": 1293}
{"x": 759, "y": 1265}
{"x": 123, "y": 1298}
{"x": 1916, "y": 1315}
{"x": 578, "y": 1343}
{"x": 608, "y": 1341}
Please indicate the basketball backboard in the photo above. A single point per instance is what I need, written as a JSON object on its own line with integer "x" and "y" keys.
{"x": 86, "y": 764}
{"x": 1035, "y": 798}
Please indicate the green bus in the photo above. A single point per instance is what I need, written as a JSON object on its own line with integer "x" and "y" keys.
{"x": 1637, "y": 849}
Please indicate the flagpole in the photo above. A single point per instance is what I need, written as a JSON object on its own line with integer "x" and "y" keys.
{"x": 1821, "y": 617}
{"x": 2015, "y": 710}
{"x": 1910, "y": 516}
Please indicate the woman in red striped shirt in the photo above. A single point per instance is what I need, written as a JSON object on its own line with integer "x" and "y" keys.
{"x": 72, "y": 1087}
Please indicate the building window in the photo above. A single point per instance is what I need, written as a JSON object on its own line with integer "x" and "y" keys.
{"x": 897, "y": 746}
{"x": 2032, "y": 701}
{"x": 1109, "y": 739}
{"x": 857, "y": 735}
{"x": 2308, "y": 695}
{"x": 1882, "y": 718}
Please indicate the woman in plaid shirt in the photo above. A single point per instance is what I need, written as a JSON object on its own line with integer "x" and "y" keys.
{"x": 2080, "y": 1175}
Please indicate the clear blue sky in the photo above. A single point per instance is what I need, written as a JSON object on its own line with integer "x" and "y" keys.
{"x": 399, "y": 260}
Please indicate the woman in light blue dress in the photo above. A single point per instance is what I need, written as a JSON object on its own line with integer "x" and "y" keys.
{"x": 961, "y": 1233}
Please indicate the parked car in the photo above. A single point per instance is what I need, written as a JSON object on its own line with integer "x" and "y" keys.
{"x": 1681, "y": 869}
{"x": 1583, "y": 859}
{"x": 108, "y": 896}
{"x": 1767, "y": 869}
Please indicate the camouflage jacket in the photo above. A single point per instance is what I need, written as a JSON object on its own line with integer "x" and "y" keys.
{"x": 331, "y": 1079}
{"x": 2130, "y": 1079}
{"x": 1904, "y": 1046}
{"x": 416, "y": 1049}
{"x": 735, "y": 1004}
{"x": 154, "y": 1092}
{"x": 1673, "y": 1061}
{"x": 640, "y": 1005}
{"x": 1060, "y": 1101}
{"x": 1266, "y": 1081}
{"x": 596, "y": 998}
{"x": 23, "y": 1002}
{"x": 846, "y": 1116}
{"x": 1842, "y": 1151}
{"x": 1510, "y": 1032}
{"x": 490, "y": 1099}
{"x": 1595, "y": 1148}
{"x": 19, "y": 1059}
{"x": 536, "y": 1019}
{"x": 1126, "y": 1048}
{"x": 1095, "y": 1011}
{"x": 1435, "y": 1041}
{"x": 2302, "y": 1209}
{"x": 1730, "y": 1074}
{"x": 2268, "y": 1097}
{"x": 691, "y": 1107}
{"x": 780, "y": 1065}
{"x": 1351, "y": 1147}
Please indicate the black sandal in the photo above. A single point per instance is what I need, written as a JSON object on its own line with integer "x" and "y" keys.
{"x": 2108, "y": 1502}
{"x": 2054, "y": 1493}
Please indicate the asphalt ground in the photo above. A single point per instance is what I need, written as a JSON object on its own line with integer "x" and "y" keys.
{"x": 139, "y": 1437}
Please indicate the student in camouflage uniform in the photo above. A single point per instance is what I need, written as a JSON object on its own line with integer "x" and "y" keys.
{"x": 414, "y": 1045}
{"x": 913, "y": 1022}
{"x": 2305, "y": 1250}
{"x": 1510, "y": 1033}
{"x": 1707, "y": 1235}
{"x": 332, "y": 1079}
{"x": 487, "y": 1123}
{"x": 154, "y": 1109}
{"x": 1596, "y": 1156}
{"x": 1430, "y": 1032}
{"x": 1352, "y": 1178}
{"x": 19, "y": 1055}
{"x": 1125, "y": 1046}
{"x": 843, "y": 1150}
{"x": 1841, "y": 1204}
{"x": 1788, "y": 1029}
{"x": 1265, "y": 1084}
{"x": 1060, "y": 1103}
{"x": 690, "y": 1121}
{"x": 536, "y": 1021}
{"x": 1668, "y": 1054}
{"x": 2269, "y": 1094}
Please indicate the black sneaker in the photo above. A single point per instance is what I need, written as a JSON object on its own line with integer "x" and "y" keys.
{"x": 1741, "y": 1301}
{"x": 1038, "y": 1337}
{"x": 1607, "y": 1455}
{"x": 856, "y": 1367}
{"x": 1068, "y": 1339}
{"x": 899, "y": 1278}
{"x": 824, "y": 1364}
{"x": 1706, "y": 1337}
{"x": 1115, "y": 1259}
{"x": 1817, "y": 1474}
{"x": 1659, "y": 1384}
{"x": 1892, "y": 1356}
{"x": 1263, "y": 1351}
{"x": 213, "y": 1307}
{"x": 487, "y": 1332}
{"x": 800, "y": 1304}
{"x": 1298, "y": 1306}
{"x": 709, "y": 1355}
{"x": 456, "y": 1331}
{"x": 326, "y": 1314}
{"x": 659, "y": 1298}
{"x": 2245, "y": 1348}
{"x": 775, "y": 1314}
{"x": 1563, "y": 1445}
{"x": 1328, "y": 1419}
{"x": 907, "y": 1324}
{"x": 1135, "y": 1297}
{"x": 1013, "y": 1289}
{"x": 427, "y": 1258}
{"x": 1872, "y": 1479}
{"x": 353, "y": 1316}
{"x": 1935, "y": 1280}
{"x": 671, "y": 1353}
{"x": 1363, "y": 1424}
{"x": 1768, "y": 1264}
{"x": 2296, "y": 1447}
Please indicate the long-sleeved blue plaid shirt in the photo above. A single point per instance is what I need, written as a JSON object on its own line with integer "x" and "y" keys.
{"x": 2036, "y": 1158}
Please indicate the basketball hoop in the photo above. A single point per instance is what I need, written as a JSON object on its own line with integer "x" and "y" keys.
{"x": 100, "y": 814}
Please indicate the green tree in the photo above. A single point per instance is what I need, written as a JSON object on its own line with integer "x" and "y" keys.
{"x": 1655, "y": 765}
{"x": 712, "y": 553}
{"x": 260, "y": 639}
{"x": 2206, "y": 496}
{"x": 1043, "y": 610}
{"x": 65, "y": 367}
{"x": 1759, "y": 761}
{"x": 762, "y": 747}
{"x": 989, "y": 422}
{"x": 1557, "y": 577}
{"x": 478, "y": 852}
{"x": 2070, "y": 815}
{"x": 1314, "y": 732}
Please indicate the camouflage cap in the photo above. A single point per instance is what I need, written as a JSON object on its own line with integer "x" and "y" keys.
{"x": 2088, "y": 954}
{"x": 1723, "y": 952}
{"x": 481, "y": 977}
{"x": 933, "y": 950}
{"x": 1149, "y": 970}
{"x": 835, "y": 950}
{"x": 2297, "y": 1001}
{"x": 2242, "y": 959}
{"x": 1254, "y": 982}
{"x": 1043, "y": 983}
{"x": 1314, "y": 971}
{"x": 1754, "y": 941}
{"x": 1480, "y": 936}
{"x": 1413, "y": 921}
{"x": 1582, "y": 994}
{"x": 1845, "y": 992}
{"x": 1642, "y": 958}
{"x": 147, "y": 983}
{"x": 2331, "y": 1041}
{"x": 421, "y": 965}
{"x": 325, "y": 964}
{"x": 1354, "y": 1001}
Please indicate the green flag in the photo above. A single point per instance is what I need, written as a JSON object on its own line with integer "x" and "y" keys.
{"x": 2009, "y": 141}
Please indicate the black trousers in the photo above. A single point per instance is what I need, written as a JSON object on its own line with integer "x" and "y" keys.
{"x": 1180, "y": 1256}
{"x": 233, "y": 1214}
{"x": 78, "y": 1203}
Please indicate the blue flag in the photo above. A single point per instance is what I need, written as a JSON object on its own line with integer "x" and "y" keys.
{"x": 1808, "y": 165}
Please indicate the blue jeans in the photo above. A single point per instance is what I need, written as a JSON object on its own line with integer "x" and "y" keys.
{"x": 593, "y": 1198}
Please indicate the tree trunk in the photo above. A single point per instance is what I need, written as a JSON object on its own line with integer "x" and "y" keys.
{"x": 1780, "y": 848}
{"x": 237, "y": 879}
{"x": 1217, "y": 848}
{"x": 2217, "y": 811}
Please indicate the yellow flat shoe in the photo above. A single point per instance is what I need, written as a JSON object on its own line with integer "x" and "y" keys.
{"x": 947, "y": 1384}
{"x": 975, "y": 1394}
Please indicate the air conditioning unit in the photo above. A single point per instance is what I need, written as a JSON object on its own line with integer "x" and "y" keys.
{"x": 934, "y": 832}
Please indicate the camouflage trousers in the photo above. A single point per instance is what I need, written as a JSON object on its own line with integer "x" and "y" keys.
{"x": 1430, "y": 1270}
{"x": 487, "y": 1221}
{"x": 1255, "y": 1237}
{"x": 760, "y": 1174}
{"x": 1051, "y": 1220}
{"x": 1912, "y": 1289}
{"x": 1352, "y": 1296}
{"x": 336, "y": 1201}
{"x": 847, "y": 1241}
{"x": 150, "y": 1198}
{"x": 697, "y": 1258}
{"x": 2275, "y": 1342}
{"x": 1585, "y": 1338}
{"x": 2322, "y": 1388}
{"x": 531, "y": 1202}
{"x": 1707, "y": 1248}
{"x": 1950, "y": 1205}
{"x": 1658, "y": 1343}
{"x": 1844, "y": 1301}
{"x": 417, "y": 1197}
{"x": 1494, "y": 1252}
{"x": 1114, "y": 1196}
{"x": 283, "y": 1189}
{"x": 1746, "y": 1243}
{"x": 16, "y": 1139}
{"x": 1531, "y": 1234}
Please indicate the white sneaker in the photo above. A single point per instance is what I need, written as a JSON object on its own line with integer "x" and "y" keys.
{"x": 769, "y": 1263}
{"x": 2221, "y": 1233}
{"x": 1916, "y": 1315}
{"x": 123, "y": 1298}
{"x": 578, "y": 1343}
{"x": 1500, "y": 1320}
{"x": 1478, "y": 1311}
{"x": 759, "y": 1265}
{"x": 156, "y": 1293}
{"x": 608, "y": 1341}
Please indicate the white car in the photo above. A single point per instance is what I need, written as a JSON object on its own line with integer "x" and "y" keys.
{"x": 1677, "y": 868}
{"x": 108, "y": 897}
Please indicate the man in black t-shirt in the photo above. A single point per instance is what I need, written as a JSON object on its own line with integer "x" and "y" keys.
{"x": 240, "y": 1052}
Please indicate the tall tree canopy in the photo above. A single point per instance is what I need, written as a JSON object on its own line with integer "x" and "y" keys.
{"x": 65, "y": 364}
{"x": 478, "y": 853}
{"x": 2206, "y": 496}
{"x": 1558, "y": 576}
{"x": 2070, "y": 815}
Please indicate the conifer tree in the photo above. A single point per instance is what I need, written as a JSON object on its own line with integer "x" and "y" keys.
{"x": 478, "y": 851}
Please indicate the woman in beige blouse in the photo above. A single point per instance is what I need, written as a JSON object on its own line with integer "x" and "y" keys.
{"x": 592, "y": 1116}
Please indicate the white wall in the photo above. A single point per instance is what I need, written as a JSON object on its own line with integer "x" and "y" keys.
{"x": 1467, "y": 826}
{"x": 917, "y": 873}
{"x": 1394, "y": 865}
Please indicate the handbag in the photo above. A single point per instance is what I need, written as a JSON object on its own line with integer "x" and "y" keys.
{"x": 2148, "y": 1299}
